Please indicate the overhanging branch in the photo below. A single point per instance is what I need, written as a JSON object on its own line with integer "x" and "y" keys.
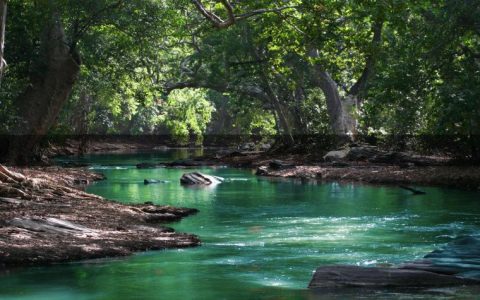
{"x": 231, "y": 17}
{"x": 370, "y": 60}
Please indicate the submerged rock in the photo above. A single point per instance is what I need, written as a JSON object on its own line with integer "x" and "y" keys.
{"x": 460, "y": 257}
{"x": 458, "y": 263}
{"x": 355, "y": 276}
{"x": 186, "y": 163}
{"x": 147, "y": 166}
{"x": 154, "y": 181}
{"x": 197, "y": 178}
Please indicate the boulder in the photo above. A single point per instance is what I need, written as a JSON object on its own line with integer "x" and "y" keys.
{"x": 248, "y": 147}
{"x": 336, "y": 155}
{"x": 460, "y": 257}
{"x": 362, "y": 153}
{"x": 197, "y": 178}
{"x": 262, "y": 171}
{"x": 458, "y": 263}
{"x": 264, "y": 147}
{"x": 355, "y": 276}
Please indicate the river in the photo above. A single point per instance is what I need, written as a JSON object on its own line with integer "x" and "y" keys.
{"x": 262, "y": 239}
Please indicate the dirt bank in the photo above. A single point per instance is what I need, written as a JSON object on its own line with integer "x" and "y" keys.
{"x": 46, "y": 218}
{"x": 432, "y": 171}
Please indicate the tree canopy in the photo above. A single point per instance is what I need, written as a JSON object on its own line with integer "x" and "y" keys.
{"x": 290, "y": 67}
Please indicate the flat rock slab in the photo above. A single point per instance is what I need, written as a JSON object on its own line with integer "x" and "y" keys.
{"x": 354, "y": 276}
{"x": 460, "y": 257}
{"x": 49, "y": 225}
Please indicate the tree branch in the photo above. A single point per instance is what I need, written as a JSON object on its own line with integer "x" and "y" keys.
{"x": 251, "y": 91}
{"x": 370, "y": 60}
{"x": 232, "y": 18}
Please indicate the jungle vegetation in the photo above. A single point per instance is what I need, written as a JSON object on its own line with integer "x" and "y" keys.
{"x": 191, "y": 68}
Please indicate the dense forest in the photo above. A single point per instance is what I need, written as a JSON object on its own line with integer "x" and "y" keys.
{"x": 271, "y": 149}
{"x": 193, "y": 68}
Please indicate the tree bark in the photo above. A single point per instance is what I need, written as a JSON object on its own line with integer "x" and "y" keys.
{"x": 51, "y": 82}
{"x": 3, "y": 22}
{"x": 329, "y": 87}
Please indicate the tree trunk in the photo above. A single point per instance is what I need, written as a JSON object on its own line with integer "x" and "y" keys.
{"x": 50, "y": 85}
{"x": 340, "y": 110}
{"x": 3, "y": 20}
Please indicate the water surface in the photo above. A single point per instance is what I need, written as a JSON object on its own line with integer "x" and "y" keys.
{"x": 262, "y": 239}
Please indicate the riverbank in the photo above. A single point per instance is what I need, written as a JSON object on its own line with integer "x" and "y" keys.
{"x": 45, "y": 218}
{"x": 398, "y": 169}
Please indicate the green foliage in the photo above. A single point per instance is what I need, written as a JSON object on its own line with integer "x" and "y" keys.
{"x": 242, "y": 79}
{"x": 187, "y": 113}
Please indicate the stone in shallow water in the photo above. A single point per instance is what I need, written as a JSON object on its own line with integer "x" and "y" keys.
{"x": 354, "y": 276}
{"x": 460, "y": 257}
{"x": 153, "y": 181}
{"x": 197, "y": 178}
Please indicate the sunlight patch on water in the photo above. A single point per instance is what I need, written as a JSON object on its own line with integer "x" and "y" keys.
{"x": 110, "y": 168}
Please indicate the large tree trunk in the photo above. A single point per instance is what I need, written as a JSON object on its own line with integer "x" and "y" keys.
{"x": 50, "y": 85}
{"x": 3, "y": 22}
{"x": 340, "y": 110}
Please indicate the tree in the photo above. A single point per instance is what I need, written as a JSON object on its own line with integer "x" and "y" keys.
{"x": 3, "y": 22}
{"x": 54, "y": 73}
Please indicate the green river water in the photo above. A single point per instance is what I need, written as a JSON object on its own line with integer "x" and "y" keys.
{"x": 262, "y": 239}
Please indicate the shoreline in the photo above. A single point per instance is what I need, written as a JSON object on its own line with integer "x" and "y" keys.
{"x": 429, "y": 171}
{"x": 47, "y": 219}
{"x": 298, "y": 167}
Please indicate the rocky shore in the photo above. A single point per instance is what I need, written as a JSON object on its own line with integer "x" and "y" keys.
{"x": 45, "y": 218}
{"x": 364, "y": 166}
{"x": 457, "y": 264}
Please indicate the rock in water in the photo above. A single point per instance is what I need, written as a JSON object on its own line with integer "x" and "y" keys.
{"x": 354, "y": 276}
{"x": 153, "y": 181}
{"x": 262, "y": 171}
{"x": 460, "y": 258}
{"x": 197, "y": 178}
